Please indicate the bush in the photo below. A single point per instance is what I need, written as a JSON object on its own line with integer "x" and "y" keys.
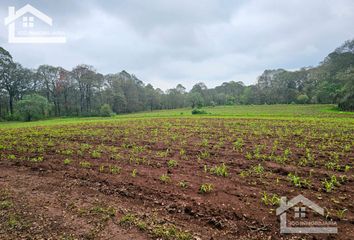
{"x": 33, "y": 107}
{"x": 302, "y": 99}
{"x": 198, "y": 111}
{"x": 106, "y": 111}
{"x": 347, "y": 103}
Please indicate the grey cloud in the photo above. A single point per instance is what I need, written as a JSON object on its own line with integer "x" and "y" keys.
{"x": 179, "y": 41}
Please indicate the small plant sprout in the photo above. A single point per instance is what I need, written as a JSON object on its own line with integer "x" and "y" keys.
{"x": 183, "y": 184}
{"x": 114, "y": 169}
{"x": 85, "y": 164}
{"x": 219, "y": 170}
{"x": 238, "y": 144}
{"x": 273, "y": 200}
{"x": 330, "y": 184}
{"x": 172, "y": 163}
{"x": 165, "y": 178}
{"x": 248, "y": 156}
{"x": 206, "y": 188}
{"x": 96, "y": 154}
{"x": 134, "y": 172}
{"x": 341, "y": 212}
{"x": 67, "y": 161}
{"x": 259, "y": 169}
{"x": 347, "y": 168}
{"x": 298, "y": 181}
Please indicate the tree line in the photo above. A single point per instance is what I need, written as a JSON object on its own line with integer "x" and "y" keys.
{"x": 83, "y": 91}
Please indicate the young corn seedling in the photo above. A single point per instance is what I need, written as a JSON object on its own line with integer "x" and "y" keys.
{"x": 95, "y": 154}
{"x": 206, "y": 188}
{"x": 273, "y": 200}
{"x": 298, "y": 182}
{"x": 134, "y": 172}
{"x": 172, "y": 163}
{"x": 114, "y": 169}
{"x": 238, "y": 144}
{"x": 258, "y": 169}
{"x": 67, "y": 161}
{"x": 85, "y": 164}
{"x": 165, "y": 178}
{"x": 219, "y": 170}
{"x": 330, "y": 184}
{"x": 341, "y": 212}
{"x": 183, "y": 184}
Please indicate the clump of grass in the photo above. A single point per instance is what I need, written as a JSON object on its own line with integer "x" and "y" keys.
{"x": 6, "y": 204}
{"x": 157, "y": 230}
{"x": 127, "y": 219}
{"x": 105, "y": 212}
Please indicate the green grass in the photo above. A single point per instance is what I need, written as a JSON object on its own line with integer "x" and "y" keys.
{"x": 279, "y": 111}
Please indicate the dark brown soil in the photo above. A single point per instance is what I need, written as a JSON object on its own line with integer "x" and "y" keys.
{"x": 47, "y": 199}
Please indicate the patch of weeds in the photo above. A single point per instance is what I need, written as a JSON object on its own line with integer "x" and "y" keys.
{"x": 6, "y": 204}
{"x": 170, "y": 232}
{"x": 105, "y": 212}
{"x": 127, "y": 219}
{"x": 157, "y": 230}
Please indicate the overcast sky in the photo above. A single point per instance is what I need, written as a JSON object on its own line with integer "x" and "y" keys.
{"x": 166, "y": 42}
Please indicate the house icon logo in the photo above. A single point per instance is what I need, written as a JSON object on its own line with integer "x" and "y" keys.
{"x": 301, "y": 226}
{"x": 28, "y": 14}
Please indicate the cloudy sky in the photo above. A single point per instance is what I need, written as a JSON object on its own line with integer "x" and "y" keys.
{"x": 166, "y": 42}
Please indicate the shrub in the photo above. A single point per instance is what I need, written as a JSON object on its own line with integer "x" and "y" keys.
{"x": 198, "y": 111}
{"x": 302, "y": 99}
{"x": 106, "y": 111}
{"x": 33, "y": 107}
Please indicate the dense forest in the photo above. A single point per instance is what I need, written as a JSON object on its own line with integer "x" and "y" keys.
{"x": 82, "y": 91}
